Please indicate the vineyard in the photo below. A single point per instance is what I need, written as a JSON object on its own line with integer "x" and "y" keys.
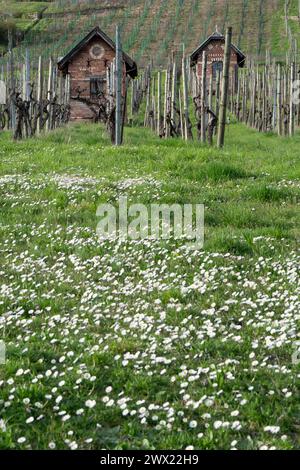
{"x": 153, "y": 29}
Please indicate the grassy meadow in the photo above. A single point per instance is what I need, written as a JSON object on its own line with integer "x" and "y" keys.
{"x": 146, "y": 344}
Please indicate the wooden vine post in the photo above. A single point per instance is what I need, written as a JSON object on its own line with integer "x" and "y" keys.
{"x": 50, "y": 93}
{"x": 292, "y": 106}
{"x": 133, "y": 83}
{"x": 158, "y": 103}
{"x": 185, "y": 100}
{"x": 173, "y": 98}
{"x": 27, "y": 76}
{"x": 11, "y": 82}
{"x": 181, "y": 116}
{"x": 218, "y": 81}
{"x": 224, "y": 95}
{"x": 211, "y": 93}
{"x": 278, "y": 100}
{"x": 166, "y": 102}
{"x": 118, "y": 72}
{"x": 203, "y": 97}
{"x": 40, "y": 95}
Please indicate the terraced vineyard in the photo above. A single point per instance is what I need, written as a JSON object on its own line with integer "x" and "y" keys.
{"x": 153, "y": 28}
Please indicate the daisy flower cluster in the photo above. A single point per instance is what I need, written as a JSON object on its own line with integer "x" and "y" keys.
{"x": 141, "y": 343}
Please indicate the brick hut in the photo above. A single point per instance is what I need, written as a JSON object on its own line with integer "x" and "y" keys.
{"x": 214, "y": 48}
{"x": 87, "y": 66}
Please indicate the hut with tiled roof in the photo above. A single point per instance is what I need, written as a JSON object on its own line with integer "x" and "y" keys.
{"x": 214, "y": 48}
{"x": 87, "y": 64}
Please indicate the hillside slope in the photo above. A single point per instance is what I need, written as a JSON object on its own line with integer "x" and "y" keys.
{"x": 155, "y": 28}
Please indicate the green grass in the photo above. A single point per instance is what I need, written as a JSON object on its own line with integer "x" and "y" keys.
{"x": 17, "y": 16}
{"x": 162, "y": 325}
{"x": 23, "y": 8}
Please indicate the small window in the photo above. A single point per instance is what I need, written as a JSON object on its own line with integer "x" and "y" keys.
{"x": 217, "y": 66}
{"x": 97, "y": 51}
{"x": 97, "y": 86}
